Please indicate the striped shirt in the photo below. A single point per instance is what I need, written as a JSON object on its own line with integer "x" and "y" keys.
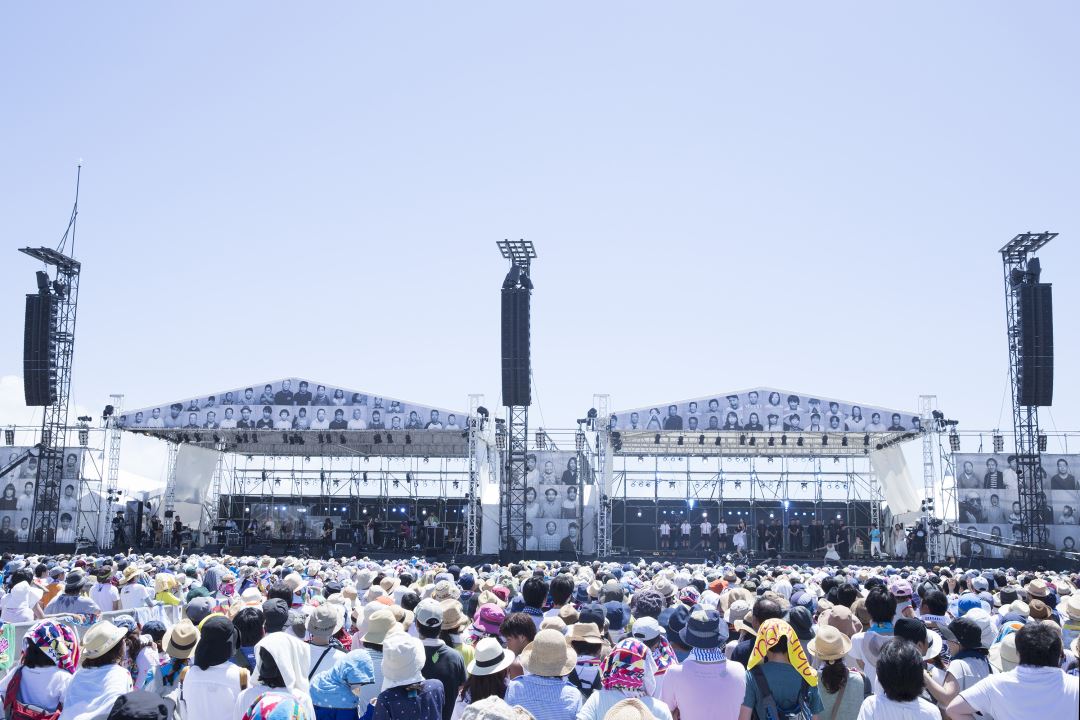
{"x": 545, "y": 697}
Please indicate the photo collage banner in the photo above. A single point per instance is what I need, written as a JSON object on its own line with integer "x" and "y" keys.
{"x": 557, "y": 518}
{"x": 292, "y": 404}
{"x": 45, "y": 511}
{"x": 986, "y": 491}
{"x": 766, "y": 410}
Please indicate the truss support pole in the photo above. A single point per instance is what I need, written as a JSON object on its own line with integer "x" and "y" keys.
{"x": 472, "y": 497}
{"x": 515, "y": 476}
{"x": 927, "y": 406}
{"x": 113, "y": 436}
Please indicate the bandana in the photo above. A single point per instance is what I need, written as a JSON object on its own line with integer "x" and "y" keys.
{"x": 769, "y": 635}
{"x": 274, "y": 706}
{"x": 664, "y": 655}
{"x": 58, "y": 642}
{"x": 625, "y": 668}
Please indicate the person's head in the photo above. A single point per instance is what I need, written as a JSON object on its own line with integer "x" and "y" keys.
{"x": 856, "y": 412}
{"x": 530, "y": 495}
{"x": 571, "y": 464}
{"x": 571, "y": 493}
{"x": 880, "y": 605}
{"x": 572, "y": 531}
{"x": 249, "y": 624}
{"x": 561, "y": 588}
{"x": 28, "y": 488}
{"x": 286, "y": 385}
{"x": 991, "y": 465}
{"x": 765, "y": 609}
{"x": 229, "y": 413}
{"x": 896, "y": 419}
{"x": 673, "y": 410}
{"x": 534, "y": 592}
{"x": 518, "y": 630}
{"x": 900, "y": 670}
{"x": 549, "y": 467}
{"x": 551, "y": 495}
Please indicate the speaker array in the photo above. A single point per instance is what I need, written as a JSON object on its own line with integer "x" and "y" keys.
{"x": 516, "y": 388}
{"x": 1035, "y": 381}
{"x": 39, "y": 350}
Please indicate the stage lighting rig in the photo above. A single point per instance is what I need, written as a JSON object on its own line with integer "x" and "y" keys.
{"x": 9, "y": 436}
{"x": 1041, "y": 440}
{"x": 999, "y": 443}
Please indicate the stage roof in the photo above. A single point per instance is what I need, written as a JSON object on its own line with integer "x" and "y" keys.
{"x": 296, "y": 416}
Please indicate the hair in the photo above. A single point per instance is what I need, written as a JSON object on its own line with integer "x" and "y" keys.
{"x": 1038, "y": 644}
{"x": 40, "y": 570}
{"x": 586, "y": 648}
{"x": 846, "y": 595}
{"x": 280, "y": 590}
{"x": 114, "y": 656}
{"x": 936, "y": 602}
{"x": 833, "y": 675}
{"x": 428, "y": 633}
{"x": 518, "y": 625}
{"x": 22, "y": 575}
{"x": 900, "y": 670}
{"x": 562, "y": 587}
{"x": 479, "y": 687}
{"x": 35, "y": 657}
{"x": 766, "y": 609}
{"x": 409, "y": 601}
{"x": 249, "y": 624}
{"x": 269, "y": 673}
{"x": 880, "y": 605}
{"x": 534, "y": 592}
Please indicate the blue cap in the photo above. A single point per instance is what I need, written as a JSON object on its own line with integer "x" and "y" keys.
{"x": 617, "y": 613}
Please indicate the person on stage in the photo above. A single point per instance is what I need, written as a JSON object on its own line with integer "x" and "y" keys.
{"x": 685, "y": 529}
{"x": 328, "y": 531}
{"x": 665, "y": 535}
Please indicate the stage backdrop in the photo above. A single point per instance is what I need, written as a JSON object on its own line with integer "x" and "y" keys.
{"x": 292, "y": 404}
{"x": 987, "y": 495}
{"x": 28, "y": 508}
{"x": 766, "y": 409}
{"x": 560, "y": 511}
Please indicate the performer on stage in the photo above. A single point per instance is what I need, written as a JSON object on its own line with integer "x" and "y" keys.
{"x": 665, "y": 535}
{"x": 328, "y": 531}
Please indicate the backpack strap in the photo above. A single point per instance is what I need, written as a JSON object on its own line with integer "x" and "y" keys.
{"x": 767, "y": 699}
{"x": 12, "y": 692}
{"x": 318, "y": 662}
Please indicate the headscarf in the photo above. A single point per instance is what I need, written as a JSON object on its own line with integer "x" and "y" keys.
{"x": 664, "y": 655}
{"x": 217, "y": 642}
{"x": 629, "y": 667}
{"x": 276, "y": 706}
{"x": 769, "y": 635}
{"x": 59, "y": 642}
{"x": 291, "y": 656}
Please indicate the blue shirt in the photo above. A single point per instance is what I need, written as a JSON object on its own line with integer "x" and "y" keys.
{"x": 546, "y": 698}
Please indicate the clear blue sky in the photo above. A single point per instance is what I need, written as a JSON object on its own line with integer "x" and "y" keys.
{"x": 722, "y": 194}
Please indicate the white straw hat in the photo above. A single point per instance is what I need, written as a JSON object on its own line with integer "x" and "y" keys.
{"x": 491, "y": 657}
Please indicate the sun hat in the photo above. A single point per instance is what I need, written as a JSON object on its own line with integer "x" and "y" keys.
{"x": 1037, "y": 588}
{"x": 738, "y": 610}
{"x": 294, "y": 582}
{"x": 1071, "y": 607}
{"x": 75, "y": 581}
{"x": 965, "y": 632}
{"x": 379, "y": 625}
{"x": 617, "y": 614}
{"x": 429, "y": 613}
{"x": 446, "y": 590}
{"x": 140, "y": 705}
{"x": 489, "y": 618}
{"x": 1003, "y": 655}
{"x": 275, "y": 614}
{"x": 180, "y": 640}
{"x": 325, "y": 621}
{"x": 404, "y": 617}
{"x": 569, "y": 614}
{"x": 490, "y": 657}
{"x": 829, "y": 644}
{"x": 402, "y": 661}
{"x": 494, "y": 707}
{"x": 548, "y": 655}
{"x": 704, "y": 629}
{"x": 389, "y": 584}
{"x": 101, "y": 638}
{"x": 1039, "y": 610}
{"x": 584, "y": 632}
{"x": 1016, "y": 606}
{"x": 131, "y": 572}
{"x": 646, "y": 629}
{"x": 199, "y": 608}
{"x": 665, "y": 587}
{"x": 453, "y": 618}
{"x": 629, "y": 709}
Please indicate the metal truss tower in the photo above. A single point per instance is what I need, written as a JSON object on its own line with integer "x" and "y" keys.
{"x": 112, "y": 477}
{"x": 520, "y": 253}
{"x": 64, "y": 287}
{"x": 602, "y": 405}
{"x": 1015, "y": 256}
{"x": 472, "y": 497}
{"x": 927, "y": 411}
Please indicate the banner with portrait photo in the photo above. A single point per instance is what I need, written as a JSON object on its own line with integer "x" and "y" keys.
{"x": 987, "y": 499}
{"x": 293, "y": 404}
{"x": 766, "y": 410}
{"x": 557, "y": 517}
{"x": 41, "y": 509}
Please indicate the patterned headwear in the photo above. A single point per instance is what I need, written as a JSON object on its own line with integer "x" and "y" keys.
{"x": 664, "y": 655}
{"x": 276, "y": 706}
{"x": 59, "y": 642}
{"x": 125, "y": 621}
{"x": 629, "y": 667}
{"x": 768, "y": 635}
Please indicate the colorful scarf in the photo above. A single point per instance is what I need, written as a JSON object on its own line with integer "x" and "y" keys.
{"x": 664, "y": 655}
{"x": 59, "y": 642}
{"x": 625, "y": 668}
{"x": 274, "y": 706}
{"x": 769, "y": 635}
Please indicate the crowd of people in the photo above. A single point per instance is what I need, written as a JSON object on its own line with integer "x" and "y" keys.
{"x": 262, "y": 638}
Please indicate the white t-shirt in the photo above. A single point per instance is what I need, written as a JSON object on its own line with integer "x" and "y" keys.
{"x": 706, "y": 528}
{"x": 134, "y": 596}
{"x": 327, "y": 662}
{"x": 1026, "y": 692}
{"x": 43, "y": 686}
{"x": 879, "y": 707}
{"x": 104, "y": 594}
{"x": 721, "y": 528}
{"x": 665, "y": 529}
{"x": 685, "y": 528}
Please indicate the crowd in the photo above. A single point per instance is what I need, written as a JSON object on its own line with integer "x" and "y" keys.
{"x": 261, "y": 638}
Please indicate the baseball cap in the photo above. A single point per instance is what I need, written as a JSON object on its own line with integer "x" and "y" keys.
{"x": 646, "y": 628}
{"x": 429, "y": 613}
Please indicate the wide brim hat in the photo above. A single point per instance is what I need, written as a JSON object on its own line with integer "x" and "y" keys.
{"x": 453, "y": 618}
{"x": 180, "y": 640}
{"x": 379, "y": 625}
{"x": 1072, "y": 607}
{"x": 402, "y": 661}
{"x": 831, "y": 644}
{"x": 75, "y": 581}
{"x": 1003, "y": 655}
{"x": 934, "y": 645}
{"x": 1037, "y": 588}
{"x": 489, "y": 658}
{"x": 101, "y": 638}
{"x": 548, "y": 655}
{"x": 584, "y": 632}
{"x": 743, "y": 626}
{"x": 131, "y": 572}
{"x": 629, "y": 709}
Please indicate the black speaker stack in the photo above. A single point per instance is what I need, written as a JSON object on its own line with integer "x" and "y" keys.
{"x": 1035, "y": 371}
{"x": 39, "y": 350}
{"x": 516, "y": 368}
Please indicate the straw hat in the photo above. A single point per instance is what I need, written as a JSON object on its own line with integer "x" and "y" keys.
{"x": 453, "y": 618}
{"x": 1037, "y": 588}
{"x": 404, "y": 617}
{"x": 629, "y": 709}
{"x": 584, "y": 632}
{"x": 1039, "y": 610}
{"x": 101, "y": 638}
{"x": 180, "y": 640}
{"x": 489, "y": 598}
{"x": 548, "y": 655}
{"x": 569, "y": 614}
{"x": 494, "y": 707}
{"x": 1072, "y": 607}
{"x": 829, "y": 644}
{"x": 389, "y": 584}
{"x": 490, "y": 658}
{"x": 325, "y": 621}
{"x": 294, "y": 582}
{"x": 131, "y": 572}
{"x": 1003, "y": 655}
{"x": 842, "y": 619}
{"x": 553, "y": 623}
{"x": 380, "y": 624}
{"x": 1016, "y": 606}
{"x": 163, "y": 582}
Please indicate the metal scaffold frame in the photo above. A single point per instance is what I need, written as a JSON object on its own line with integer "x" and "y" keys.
{"x": 472, "y": 506}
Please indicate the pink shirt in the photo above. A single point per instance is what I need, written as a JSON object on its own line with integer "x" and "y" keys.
{"x": 704, "y": 691}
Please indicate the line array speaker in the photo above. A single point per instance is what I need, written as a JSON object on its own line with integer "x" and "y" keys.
{"x": 1035, "y": 373}
{"x": 39, "y": 351}
{"x": 516, "y": 292}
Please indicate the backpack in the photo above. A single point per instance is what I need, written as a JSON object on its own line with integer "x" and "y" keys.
{"x": 801, "y": 711}
{"x": 15, "y": 710}
{"x": 586, "y": 690}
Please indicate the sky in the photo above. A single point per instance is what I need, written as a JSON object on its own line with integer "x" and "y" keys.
{"x": 722, "y": 195}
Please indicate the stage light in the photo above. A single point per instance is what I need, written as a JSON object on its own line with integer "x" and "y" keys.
{"x": 639, "y": 513}
{"x": 397, "y": 483}
{"x": 671, "y": 484}
{"x": 844, "y": 441}
{"x": 378, "y": 439}
{"x": 456, "y": 484}
{"x": 656, "y": 440}
{"x": 954, "y": 441}
{"x": 84, "y": 436}
{"x": 389, "y": 438}
{"x": 616, "y": 440}
{"x": 1042, "y": 442}
{"x": 799, "y": 442}
{"x": 772, "y": 441}
{"x": 9, "y": 436}
{"x": 680, "y": 441}
{"x": 342, "y": 438}
{"x": 742, "y": 439}
{"x": 866, "y": 439}
{"x": 783, "y": 439}
{"x": 365, "y": 477}
{"x": 753, "y": 441}
{"x": 198, "y": 438}
{"x": 738, "y": 483}
{"x": 824, "y": 440}
{"x": 579, "y": 441}
{"x": 804, "y": 485}
{"x": 999, "y": 443}
{"x": 701, "y": 440}
{"x": 717, "y": 441}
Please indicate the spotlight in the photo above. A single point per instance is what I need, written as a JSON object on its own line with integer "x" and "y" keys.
{"x": 378, "y": 439}
{"x": 656, "y": 440}
{"x": 616, "y": 440}
{"x": 1042, "y": 442}
{"x": 717, "y": 441}
{"x": 456, "y": 484}
{"x": 701, "y": 440}
{"x": 803, "y": 485}
{"x": 866, "y": 439}
{"x": 753, "y": 441}
{"x": 198, "y": 438}
{"x": 397, "y": 483}
{"x": 680, "y": 441}
{"x": 843, "y": 441}
{"x": 389, "y": 438}
{"x": 999, "y": 443}
{"x": 742, "y": 439}
{"x": 671, "y": 484}
{"x": 9, "y": 436}
{"x": 783, "y": 439}
{"x": 772, "y": 441}
{"x": 954, "y": 441}
{"x": 84, "y": 437}
{"x": 824, "y": 439}
{"x": 579, "y": 441}
{"x": 799, "y": 442}
{"x": 738, "y": 483}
